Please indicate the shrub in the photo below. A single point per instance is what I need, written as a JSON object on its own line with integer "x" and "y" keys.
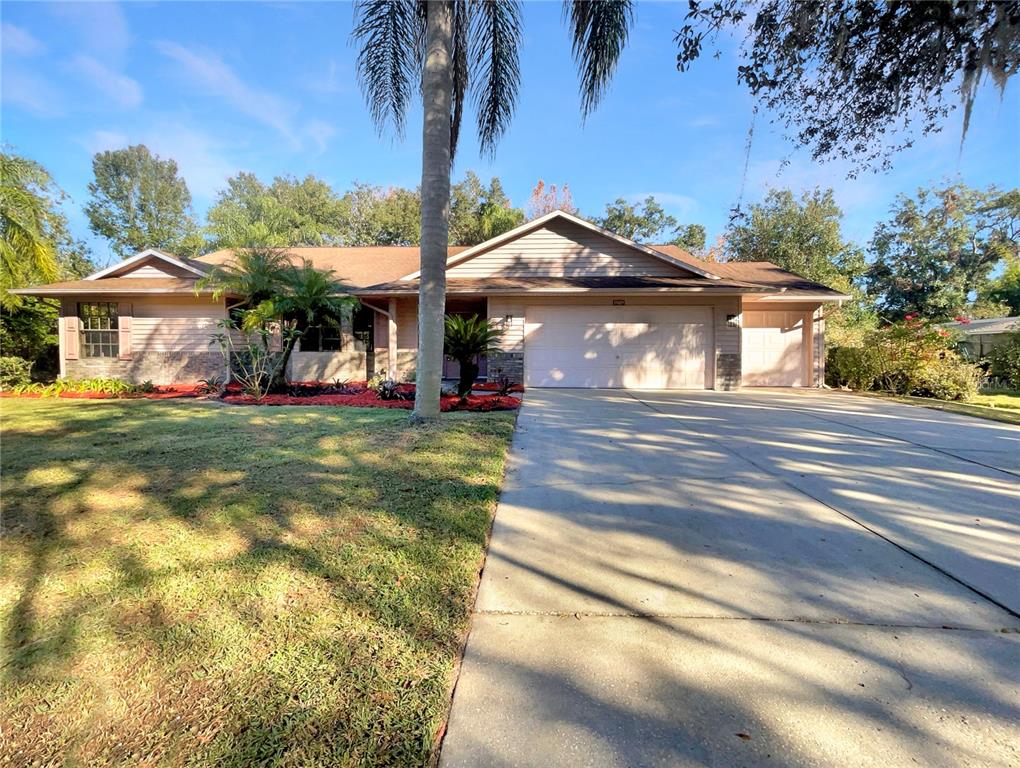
{"x": 1005, "y": 359}
{"x": 249, "y": 353}
{"x": 78, "y": 386}
{"x": 912, "y": 357}
{"x": 466, "y": 340}
{"x": 14, "y": 372}
{"x": 853, "y": 367}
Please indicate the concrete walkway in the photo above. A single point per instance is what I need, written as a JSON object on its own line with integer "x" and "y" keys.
{"x": 754, "y": 578}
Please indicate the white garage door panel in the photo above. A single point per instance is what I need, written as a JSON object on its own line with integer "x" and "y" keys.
{"x": 628, "y": 347}
{"x": 772, "y": 349}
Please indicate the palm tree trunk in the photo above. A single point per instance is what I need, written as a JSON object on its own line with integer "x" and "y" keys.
{"x": 437, "y": 90}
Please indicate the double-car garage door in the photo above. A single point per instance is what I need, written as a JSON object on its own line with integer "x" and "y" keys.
{"x": 620, "y": 347}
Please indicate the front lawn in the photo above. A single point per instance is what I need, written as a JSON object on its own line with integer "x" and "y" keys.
{"x": 189, "y": 583}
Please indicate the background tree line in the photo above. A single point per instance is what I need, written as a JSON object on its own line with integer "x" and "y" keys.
{"x": 946, "y": 251}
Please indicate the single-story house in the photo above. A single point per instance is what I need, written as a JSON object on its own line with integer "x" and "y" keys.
{"x": 978, "y": 337}
{"x": 579, "y": 306}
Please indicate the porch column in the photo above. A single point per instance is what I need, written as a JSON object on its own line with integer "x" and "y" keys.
{"x": 391, "y": 342}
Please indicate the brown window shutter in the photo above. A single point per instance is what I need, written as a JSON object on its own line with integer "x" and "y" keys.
{"x": 70, "y": 337}
{"x": 124, "y": 324}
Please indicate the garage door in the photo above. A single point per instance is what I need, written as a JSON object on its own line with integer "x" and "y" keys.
{"x": 773, "y": 352}
{"x": 621, "y": 347}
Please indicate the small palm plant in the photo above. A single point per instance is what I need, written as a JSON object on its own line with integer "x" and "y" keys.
{"x": 466, "y": 340}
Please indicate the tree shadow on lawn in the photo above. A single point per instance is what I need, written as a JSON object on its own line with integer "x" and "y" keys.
{"x": 185, "y": 582}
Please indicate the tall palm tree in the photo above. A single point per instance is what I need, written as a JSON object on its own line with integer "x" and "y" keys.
{"x": 457, "y": 46}
{"x": 27, "y": 252}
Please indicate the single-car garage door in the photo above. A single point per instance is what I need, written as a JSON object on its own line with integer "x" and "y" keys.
{"x": 622, "y": 347}
{"x": 773, "y": 352}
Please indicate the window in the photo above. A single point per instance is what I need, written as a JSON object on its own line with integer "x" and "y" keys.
{"x": 99, "y": 334}
{"x": 321, "y": 338}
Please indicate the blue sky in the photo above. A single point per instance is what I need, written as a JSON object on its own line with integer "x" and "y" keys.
{"x": 270, "y": 88}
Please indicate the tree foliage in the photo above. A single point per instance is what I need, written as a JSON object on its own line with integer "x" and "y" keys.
{"x": 804, "y": 236}
{"x": 861, "y": 79}
{"x": 937, "y": 250}
{"x": 37, "y": 247}
{"x": 1005, "y": 289}
{"x": 138, "y": 201}
{"x": 28, "y": 252}
{"x": 800, "y": 235}
{"x": 648, "y": 222}
{"x": 546, "y": 198}
{"x": 478, "y": 213}
{"x": 286, "y": 212}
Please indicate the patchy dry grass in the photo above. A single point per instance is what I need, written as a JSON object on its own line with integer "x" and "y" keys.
{"x": 188, "y": 584}
{"x": 1001, "y": 406}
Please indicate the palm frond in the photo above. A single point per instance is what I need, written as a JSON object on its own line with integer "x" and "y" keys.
{"x": 599, "y": 29}
{"x": 390, "y": 35}
{"x": 495, "y": 42}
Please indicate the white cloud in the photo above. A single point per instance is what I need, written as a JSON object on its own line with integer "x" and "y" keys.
{"x": 681, "y": 206}
{"x": 212, "y": 75}
{"x": 119, "y": 88}
{"x": 198, "y": 155}
{"x": 101, "y": 27}
{"x": 31, "y": 92}
{"x": 19, "y": 42}
{"x": 104, "y": 141}
{"x": 331, "y": 82}
{"x": 704, "y": 121}
{"x": 320, "y": 132}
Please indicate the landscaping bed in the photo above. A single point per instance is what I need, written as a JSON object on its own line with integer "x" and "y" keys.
{"x": 485, "y": 397}
{"x": 187, "y": 584}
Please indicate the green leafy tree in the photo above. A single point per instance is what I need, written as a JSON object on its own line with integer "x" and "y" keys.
{"x": 378, "y": 216}
{"x": 800, "y": 235}
{"x": 691, "y": 237}
{"x": 138, "y": 201}
{"x": 36, "y": 247}
{"x": 448, "y": 52}
{"x": 465, "y": 340}
{"x": 28, "y": 252}
{"x": 936, "y": 252}
{"x": 1005, "y": 289}
{"x": 643, "y": 222}
{"x": 478, "y": 213}
{"x": 875, "y": 74}
{"x": 804, "y": 236}
{"x": 287, "y": 212}
{"x": 648, "y": 222}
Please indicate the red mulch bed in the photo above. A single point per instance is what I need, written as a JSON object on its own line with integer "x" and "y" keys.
{"x": 355, "y": 394}
{"x": 312, "y": 393}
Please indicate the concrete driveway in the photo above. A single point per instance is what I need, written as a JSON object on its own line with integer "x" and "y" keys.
{"x": 747, "y": 579}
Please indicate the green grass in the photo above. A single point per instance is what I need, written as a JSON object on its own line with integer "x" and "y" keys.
{"x": 998, "y": 406}
{"x": 193, "y": 584}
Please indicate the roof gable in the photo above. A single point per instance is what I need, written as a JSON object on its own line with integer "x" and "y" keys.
{"x": 150, "y": 263}
{"x": 559, "y": 244}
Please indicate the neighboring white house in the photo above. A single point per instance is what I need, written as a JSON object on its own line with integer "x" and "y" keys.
{"x": 579, "y": 306}
{"x": 978, "y": 337}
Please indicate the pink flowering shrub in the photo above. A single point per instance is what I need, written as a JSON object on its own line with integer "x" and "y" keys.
{"x": 911, "y": 357}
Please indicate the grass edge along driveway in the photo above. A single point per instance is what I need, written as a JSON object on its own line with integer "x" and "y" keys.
{"x": 193, "y": 584}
